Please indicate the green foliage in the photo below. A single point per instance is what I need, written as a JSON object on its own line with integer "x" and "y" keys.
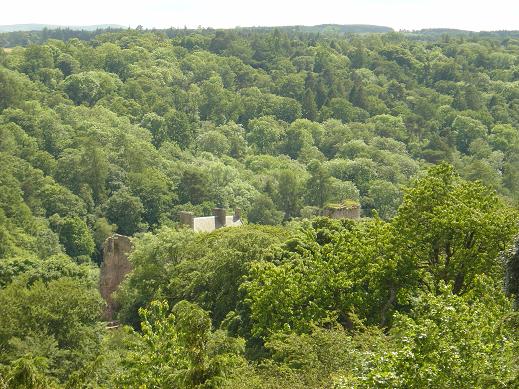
{"x": 297, "y": 137}
{"x": 125, "y": 210}
{"x": 326, "y": 272}
{"x": 74, "y": 235}
{"x": 89, "y": 87}
{"x": 389, "y": 126}
{"x": 289, "y": 192}
{"x": 14, "y": 88}
{"x": 183, "y": 265}
{"x": 467, "y": 130}
{"x": 264, "y": 212}
{"x": 179, "y": 350}
{"x": 265, "y": 134}
{"x": 61, "y": 313}
{"x": 448, "y": 340}
{"x": 213, "y": 142}
{"x": 59, "y": 200}
{"x": 431, "y": 240}
{"x": 178, "y": 128}
{"x": 155, "y": 191}
{"x": 101, "y": 231}
{"x": 319, "y": 184}
{"x": 28, "y": 373}
{"x": 385, "y": 197}
{"x": 120, "y": 130}
{"x": 454, "y": 228}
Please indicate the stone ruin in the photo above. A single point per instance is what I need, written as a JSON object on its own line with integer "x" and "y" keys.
{"x": 114, "y": 268}
{"x": 345, "y": 210}
{"x": 210, "y": 223}
{"x": 116, "y": 248}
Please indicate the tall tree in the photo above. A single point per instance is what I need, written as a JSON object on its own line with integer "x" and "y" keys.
{"x": 453, "y": 230}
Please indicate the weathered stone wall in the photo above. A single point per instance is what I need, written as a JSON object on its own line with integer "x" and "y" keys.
{"x": 211, "y": 223}
{"x": 220, "y": 217}
{"x": 204, "y": 224}
{"x": 114, "y": 268}
{"x": 187, "y": 218}
{"x": 342, "y": 213}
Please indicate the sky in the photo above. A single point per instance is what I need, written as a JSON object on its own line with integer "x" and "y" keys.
{"x": 476, "y": 15}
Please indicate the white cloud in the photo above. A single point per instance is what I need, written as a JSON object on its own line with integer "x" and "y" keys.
{"x": 408, "y": 14}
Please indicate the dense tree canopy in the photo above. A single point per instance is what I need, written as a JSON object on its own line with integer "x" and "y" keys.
{"x": 118, "y": 131}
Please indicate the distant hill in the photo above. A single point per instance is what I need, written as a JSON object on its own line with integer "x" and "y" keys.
{"x": 40, "y": 27}
{"x": 443, "y": 31}
{"x": 435, "y": 33}
{"x": 330, "y": 28}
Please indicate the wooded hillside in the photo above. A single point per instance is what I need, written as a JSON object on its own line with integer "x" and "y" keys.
{"x": 119, "y": 131}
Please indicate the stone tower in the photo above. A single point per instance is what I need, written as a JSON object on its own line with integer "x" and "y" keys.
{"x": 114, "y": 268}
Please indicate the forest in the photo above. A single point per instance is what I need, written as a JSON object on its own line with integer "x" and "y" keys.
{"x": 118, "y": 131}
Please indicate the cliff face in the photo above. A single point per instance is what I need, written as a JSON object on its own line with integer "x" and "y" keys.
{"x": 114, "y": 268}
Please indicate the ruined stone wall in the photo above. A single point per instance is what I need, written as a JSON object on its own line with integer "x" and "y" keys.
{"x": 114, "y": 268}
{"x": 204, "y": 224}
{"x": 211, "y": 223}
{"x": 342, "y": 213}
